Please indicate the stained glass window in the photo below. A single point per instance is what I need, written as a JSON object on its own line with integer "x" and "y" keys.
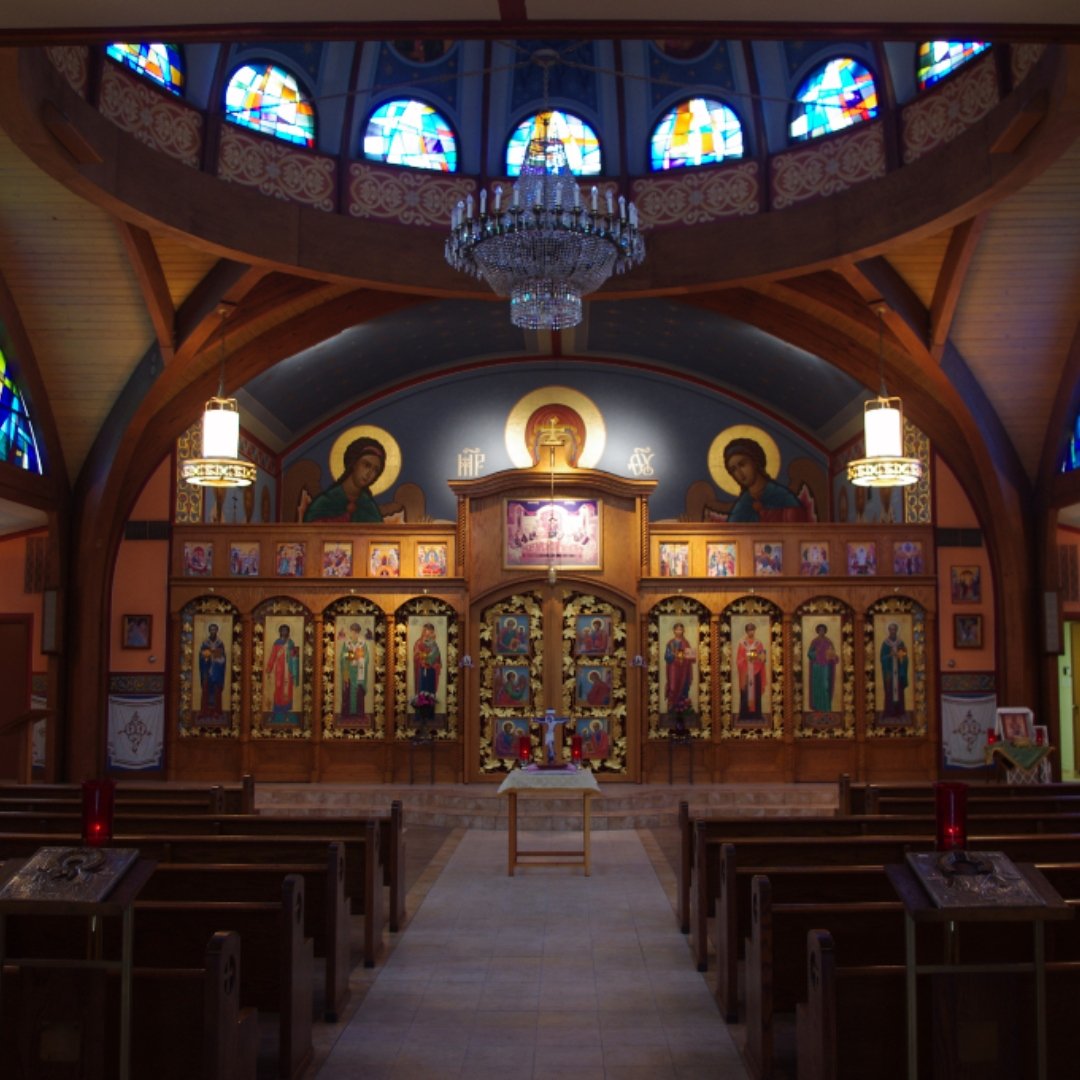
{"x": 936, "y": 59}
{"x": 410, "y": 133}
{"x": 18, "y": 445}
{"x": 837, "y": 95}
{"x": 269, "y": 100}
{"x": 582, "y": 145}
{"x": 698, "y": 131}
{"x": 152, "y": 59}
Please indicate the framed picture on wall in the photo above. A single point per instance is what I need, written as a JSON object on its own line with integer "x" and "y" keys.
{"x": 539, "y": 533}
{"x": 431, "y": 560}
{"x": 512, "y": 635}
{"x": 814, "y": 558}
{"x": 337, "y": 558}
{"x": 768, "y": 559}
{"x": 290, "y": 559}
{"x": 244, "y": 558}
{"x": 862, "y": 558}
{"x": 907, "y": 557}
{"x": 720, "y": 560}
{"x": 966, "y": 584}
{"x": 384, "y": 560}
{"x": 135, "y": 631}
{"x": 198, "y": 559}
{"x": 674, "y": 560}
{"x": 967, "y": 631}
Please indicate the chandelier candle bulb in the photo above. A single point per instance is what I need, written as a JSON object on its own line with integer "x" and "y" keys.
{"x": 595, "y": 196}
{"x": 483, "y": 202}
{"x": 498, "y": 197}
{"x": 577, "y": 197}
{"x": 469, "y": 207}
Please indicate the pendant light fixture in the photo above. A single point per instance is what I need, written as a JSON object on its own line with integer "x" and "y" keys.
{"x": 883, "y": 431}
{"x": 221, "y": 465}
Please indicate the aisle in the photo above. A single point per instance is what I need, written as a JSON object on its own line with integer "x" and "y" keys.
{"x": 546, "y": 974}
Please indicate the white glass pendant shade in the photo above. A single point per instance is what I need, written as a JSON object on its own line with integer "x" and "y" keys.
{"x": 221, "y": 429}
{"x": 883, "y": 426}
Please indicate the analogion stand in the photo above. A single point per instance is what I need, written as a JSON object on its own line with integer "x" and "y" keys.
{"x": 549, "y": 782}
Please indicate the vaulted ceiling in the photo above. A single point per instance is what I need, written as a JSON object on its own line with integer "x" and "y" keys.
{"x": 987, "y": 295}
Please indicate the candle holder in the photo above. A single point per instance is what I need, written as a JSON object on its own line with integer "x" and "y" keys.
{"x": 950, "y": 803}
{"x": 524, "y": 750}
{"x": 97, "y": 812}
{"x": 575, "y": 748}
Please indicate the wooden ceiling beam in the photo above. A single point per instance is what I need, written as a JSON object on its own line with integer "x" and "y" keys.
{"x": 963, "y": 242}
{"x": 144, "y": 260}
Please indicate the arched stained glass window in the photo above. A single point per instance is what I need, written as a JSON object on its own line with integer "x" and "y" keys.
{"x": 582, "y": 145}
{"x": 18, "y": 445}
{"x": 837, "y": 95}
{"x": 152, "y": 59}
{"x": 410, "y": 133}
{"x": 269, "y": 100}
{"x": 936, "y": 59}
{"x": 698, "y": 131}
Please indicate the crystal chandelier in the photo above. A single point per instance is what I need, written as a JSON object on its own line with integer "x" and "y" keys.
{"x": 883, "y": 429}
{"x": 547, "y": 248}
{"x": 220, "y": 465}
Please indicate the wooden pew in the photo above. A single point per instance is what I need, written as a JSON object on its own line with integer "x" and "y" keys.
{"x": 371, "y": 844}
{"x": 790, "y": 884}
{"x": 253, "y": 848}
{"x": 852, "y": 1024}
{"x": 326, "y": 910}
{"x": 186, "y": 1022}
{"x": 183, "y": 839}
{"x": 870, "y": 932}
{"x": 277, "y": 974}
{"x": 207, "y": 799}
{"x": 798, "y": 849}
{"x": 862, "y": 797}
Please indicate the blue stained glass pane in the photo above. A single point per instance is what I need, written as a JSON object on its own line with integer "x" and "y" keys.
{"x": 18, "y": 444}
{"x": 582, "y": 145}
{"x": 410, "y": 133}
{"x": 152, "y": 59}
{"x": 698, "y": 131}
{"x": 936, "y": 59}
{"x": 269, "y": 100}
{"x": 837, "y": 95}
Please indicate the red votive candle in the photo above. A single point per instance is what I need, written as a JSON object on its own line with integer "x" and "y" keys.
{"x": 950, "y": 801}
{"x": 575, "y": 747}
{"x": 991, "y": 737}
{"x": 97, "y": 812}
{"x": 524, "y": 749}
{"x": 1039, "y": 738}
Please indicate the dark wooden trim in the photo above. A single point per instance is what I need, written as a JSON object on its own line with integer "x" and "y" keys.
{"x": 950, "y": 282}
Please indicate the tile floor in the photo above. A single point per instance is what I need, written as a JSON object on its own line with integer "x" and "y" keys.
{"x": 546, "y": 974}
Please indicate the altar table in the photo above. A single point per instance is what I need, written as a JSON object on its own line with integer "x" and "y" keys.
{"x": 548, "y": 782}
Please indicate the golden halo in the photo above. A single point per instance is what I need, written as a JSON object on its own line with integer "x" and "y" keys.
{"x": 721, "y": 477}
{"x": 595, "y": 432}
{"x": 393, "y": 454}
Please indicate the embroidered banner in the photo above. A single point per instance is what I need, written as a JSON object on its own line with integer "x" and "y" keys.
{"x": 136, "y": 738}
{"x": 964, "y": 724}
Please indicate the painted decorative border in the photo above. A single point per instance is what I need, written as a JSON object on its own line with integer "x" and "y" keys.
{"x": 835, "y": 164}
{"x": 405, "y": 195}
{"x": 681, "y": 605}
{"x": 425, "y": 605}
{"x": 73, "y": 62}
{"x": 277, "y": 169}
{"x": 1023, "y": 58}
{"x": 615, "y": 661}
{"x": 209, "y": 605}
{"x": 730, "y": 726}
{"x": 949, "y": 109}
{"x": 353, "y": 605}
{"x": 699, "y": 195}
{"x": 845, "y": 729}
{"x": 281, "y": 605}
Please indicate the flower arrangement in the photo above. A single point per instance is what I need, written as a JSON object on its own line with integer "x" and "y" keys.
{"x": 424, "y": 700}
